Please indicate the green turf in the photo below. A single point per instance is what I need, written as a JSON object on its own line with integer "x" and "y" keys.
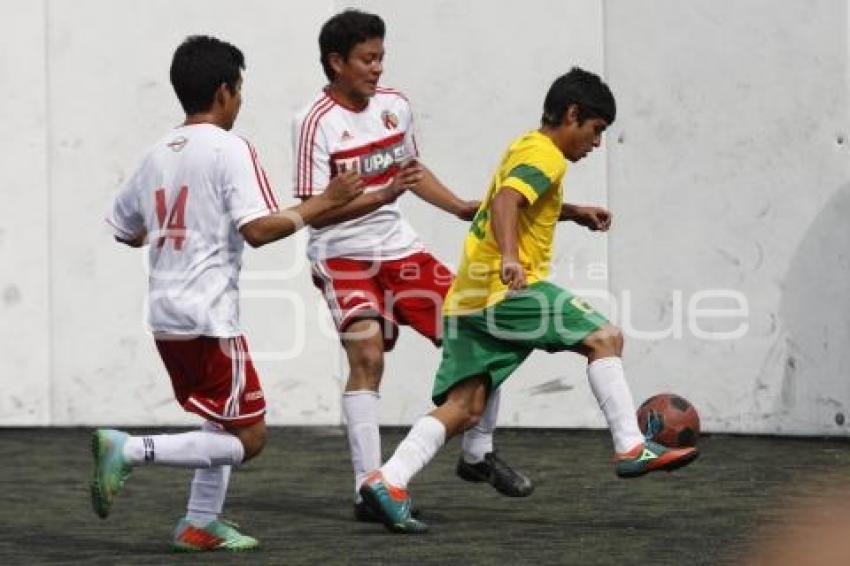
{"x": 296, "y": 498}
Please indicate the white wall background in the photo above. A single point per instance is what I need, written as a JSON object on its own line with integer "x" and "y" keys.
{"x": 727, "y": 171}
{"x": 730, "y": 169}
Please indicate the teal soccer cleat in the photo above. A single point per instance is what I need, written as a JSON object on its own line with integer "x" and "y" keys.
{"x": 110, "y": 469}
{"x": 651, "y": 456}
{"x": 391, "y": 504}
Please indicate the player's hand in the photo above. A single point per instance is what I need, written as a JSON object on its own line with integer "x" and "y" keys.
{"x": 512, "y": 274}
{"x": 468, "y": 209}
{"x": 408, "y": 176}
{"x": 344, "y": 187}
{"x": 594, "y": 218}
{"x": 137, "y": 241}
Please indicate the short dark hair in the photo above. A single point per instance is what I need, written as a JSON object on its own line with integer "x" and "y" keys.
{"x": 593, "y": 97}
{"x": 345, "y": 30}
{"x": 200, "y": 65}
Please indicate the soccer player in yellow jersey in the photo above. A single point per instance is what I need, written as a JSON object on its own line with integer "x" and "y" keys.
{"x": 500, "y": 307}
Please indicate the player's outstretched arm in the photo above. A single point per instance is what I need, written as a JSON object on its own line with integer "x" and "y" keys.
{"x": 432, "y": 191}
{"x": 367, "y": 202}
{"x": 505, "y": 209}
{"x": 341, "y": 191}
{"x": 594, "y": 218}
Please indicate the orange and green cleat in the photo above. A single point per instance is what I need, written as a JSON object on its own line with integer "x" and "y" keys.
{"x": 216, "y": 535}
{"x": 650, "y": 457}
{"x": 391, "y": 504}
{"x": 110, "y": 469}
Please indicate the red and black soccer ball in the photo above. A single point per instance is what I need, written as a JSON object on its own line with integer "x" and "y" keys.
{"x": 669, "y": 420}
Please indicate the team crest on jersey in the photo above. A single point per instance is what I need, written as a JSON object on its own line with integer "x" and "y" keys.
{"x": 345, "y": 136}
{"x": 178, "y": 143}
{"x": 390, "y": 120}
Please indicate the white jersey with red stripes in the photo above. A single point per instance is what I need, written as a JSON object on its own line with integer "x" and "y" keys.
{"x": 330, "y": 138}
{"x": 192, "y": 192}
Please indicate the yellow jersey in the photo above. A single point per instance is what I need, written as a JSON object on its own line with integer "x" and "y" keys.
{"x": 535, "y": 167}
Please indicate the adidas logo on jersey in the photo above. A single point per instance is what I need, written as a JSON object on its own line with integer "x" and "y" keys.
{"x": 345, "y": 136}
{"x": 178, "y": 143}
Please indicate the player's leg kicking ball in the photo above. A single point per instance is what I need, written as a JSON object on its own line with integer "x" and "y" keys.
{"x": 651, "y": 456}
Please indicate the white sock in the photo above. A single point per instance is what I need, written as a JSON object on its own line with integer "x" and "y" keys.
{"x": 209, "y": 488}
{"x": 206, "y": 499}
{"x": 196, "y": 449}
{"x": 364, "y": 436}
{"x": 608, "y": 383}
{"x": 415, "y": 451}
{"x": 478, "y": 440}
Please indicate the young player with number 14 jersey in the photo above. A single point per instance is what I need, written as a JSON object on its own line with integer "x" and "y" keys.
{"x": 198, "y": 195}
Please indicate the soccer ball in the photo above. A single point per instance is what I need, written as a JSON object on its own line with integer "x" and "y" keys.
{"x": 669, "y": 420}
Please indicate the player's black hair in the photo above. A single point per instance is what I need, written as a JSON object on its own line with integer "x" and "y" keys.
{"x": 200, "y": 65}
{"x": 345, "y": 30}
{"x": 593, "y": 97}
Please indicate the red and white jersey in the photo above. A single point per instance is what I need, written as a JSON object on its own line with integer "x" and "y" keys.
{"x": 192, "y": 192}
{"x": 330, "y": 138}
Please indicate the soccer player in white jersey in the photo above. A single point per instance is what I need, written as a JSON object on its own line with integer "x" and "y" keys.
{"x": 368, "y": 262}
{"x": 197, "y": 196}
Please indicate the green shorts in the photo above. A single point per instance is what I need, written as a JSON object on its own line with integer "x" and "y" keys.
{"x": 496, "y": 340}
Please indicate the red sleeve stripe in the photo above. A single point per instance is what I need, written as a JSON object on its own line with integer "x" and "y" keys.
{"x": 309, "y": 163}
{"x": 262, "y": 181}
{"x": 271, "y": 191}
{"x": 268, "y": 186}
{"x": 299, "y": 149}
{"x": 303, "y": 186}
{"x": 268, "y": 197}
{"x": 307, "y": 155}
{"x": 265, "y": 186}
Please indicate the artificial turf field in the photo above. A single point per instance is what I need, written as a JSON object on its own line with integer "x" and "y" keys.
{"x": 296, "y": 498}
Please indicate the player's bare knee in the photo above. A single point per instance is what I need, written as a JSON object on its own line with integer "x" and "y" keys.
{"x": 473, "y": 411}
{"x": 253, "y": 440}
{"x": 607, "y": 341}
{"x": 253, "y": 447}
{"x": 367, "y": 366}
{"x": 464, "y": 412}
{"x": 461, "y": 419}
{"x": 372, "y": 365}
{"x": 616, "y": 339}
{"x": 472, "y": 421}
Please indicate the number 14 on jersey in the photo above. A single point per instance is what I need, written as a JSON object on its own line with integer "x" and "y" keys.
{"x": 172, "y": 220}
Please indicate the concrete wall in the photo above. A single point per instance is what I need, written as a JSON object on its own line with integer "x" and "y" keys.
{"x": 727, "y": 171}
{"x": 730, "y": 169}
{"x": 25, "y": 329}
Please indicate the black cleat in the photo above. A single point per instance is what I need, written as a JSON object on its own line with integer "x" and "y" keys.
{"x": 364, "y": 514}
{"x": 497, "y": 473}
